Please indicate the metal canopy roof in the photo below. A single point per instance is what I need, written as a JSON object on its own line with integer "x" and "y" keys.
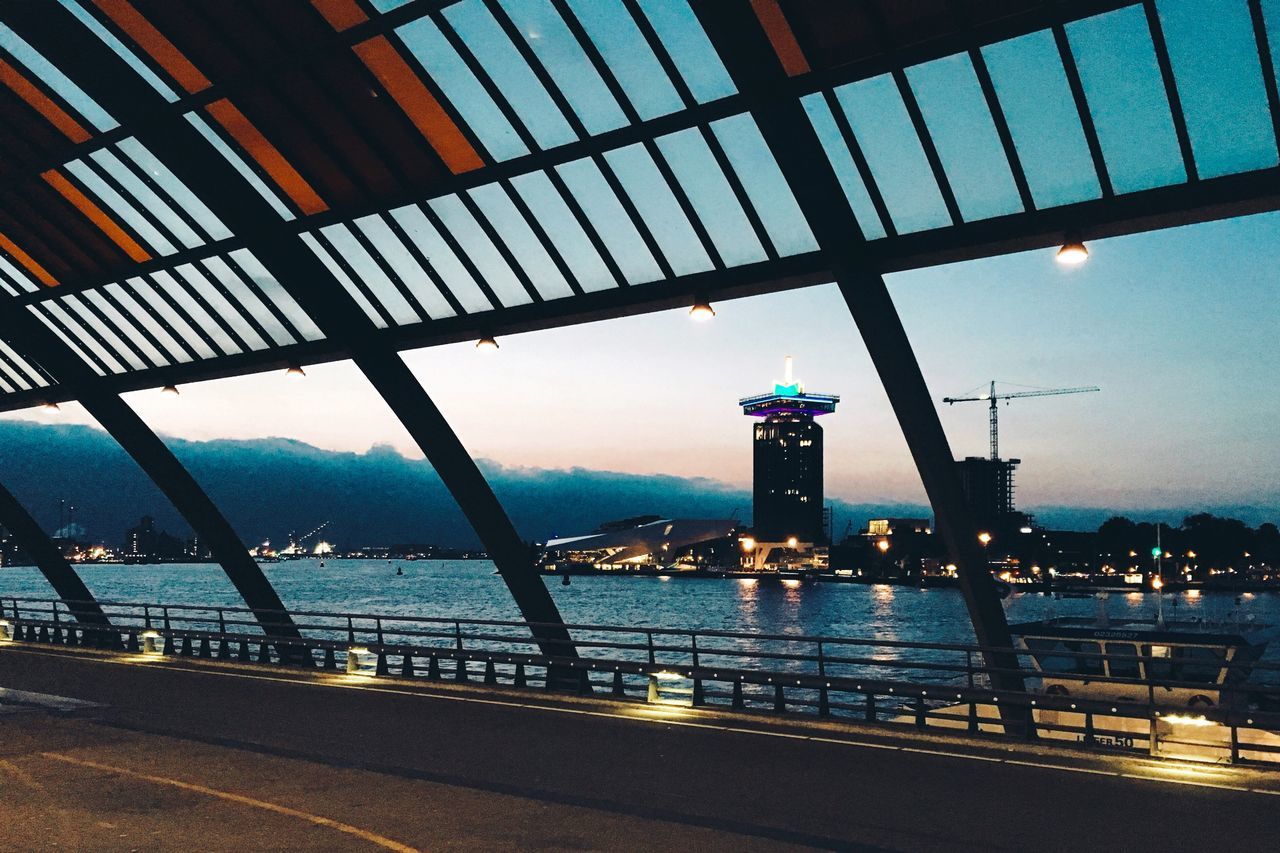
{"x": 487, "y": 166}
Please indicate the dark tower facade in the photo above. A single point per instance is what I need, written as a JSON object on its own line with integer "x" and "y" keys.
{"x": 787, "y": 493}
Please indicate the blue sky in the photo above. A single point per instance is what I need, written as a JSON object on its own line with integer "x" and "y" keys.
{"x": 1177, "y": 327}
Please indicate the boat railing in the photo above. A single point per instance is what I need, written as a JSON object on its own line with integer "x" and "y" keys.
{"x": 922, "y": 684}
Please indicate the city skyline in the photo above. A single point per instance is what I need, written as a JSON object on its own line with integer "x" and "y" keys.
{"x": 594, "y": 396}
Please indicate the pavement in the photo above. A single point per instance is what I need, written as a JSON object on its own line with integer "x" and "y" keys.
{"x": 181, "y": 754}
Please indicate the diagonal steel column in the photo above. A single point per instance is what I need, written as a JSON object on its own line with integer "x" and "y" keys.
{"x": 393, "y": 380}
{"x": 55, "y": 568}
{"x": 167, "y": 135}
{"x": 163, "y": 468}
{"x": 758, "y": 73}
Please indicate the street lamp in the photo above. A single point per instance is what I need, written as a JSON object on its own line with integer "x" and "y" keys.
{"x": 883, "y": 545}
{"x": 985, "y": 538}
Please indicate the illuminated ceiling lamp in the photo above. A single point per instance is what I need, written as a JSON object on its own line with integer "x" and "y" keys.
{"x": 701, "y": 310}
{"x": 294, "y": 371}
{"x": 170, "y": 390}
{"x": 1073, "y": 252}
{"x": 487, "y": 344}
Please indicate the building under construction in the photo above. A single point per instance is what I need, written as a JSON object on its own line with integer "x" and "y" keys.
{"x": 989, "y": 490}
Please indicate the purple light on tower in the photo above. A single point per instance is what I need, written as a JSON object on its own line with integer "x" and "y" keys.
{"x": 787, "y": 493}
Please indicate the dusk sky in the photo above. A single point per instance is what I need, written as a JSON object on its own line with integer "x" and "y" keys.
{"x": 1176, "y": 327}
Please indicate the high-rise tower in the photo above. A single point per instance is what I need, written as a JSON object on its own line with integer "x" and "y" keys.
{"x": 787, "y": 496}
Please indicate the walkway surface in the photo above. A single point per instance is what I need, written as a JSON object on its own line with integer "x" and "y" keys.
{"x": 183, "y": 755}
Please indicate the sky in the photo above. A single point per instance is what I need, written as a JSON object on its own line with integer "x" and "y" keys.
{"x": 1177, "y": 327}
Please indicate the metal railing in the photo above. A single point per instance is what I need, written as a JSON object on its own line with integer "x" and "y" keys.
{"x": 916, "y": 684}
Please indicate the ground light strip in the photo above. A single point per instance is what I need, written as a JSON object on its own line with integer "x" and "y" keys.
{"x": 661, "y": 717}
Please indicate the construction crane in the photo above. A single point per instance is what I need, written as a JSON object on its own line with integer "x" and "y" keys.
{"x": 995, "y": 398}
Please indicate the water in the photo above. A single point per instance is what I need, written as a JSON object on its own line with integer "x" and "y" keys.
{"x": 471, "y": 590}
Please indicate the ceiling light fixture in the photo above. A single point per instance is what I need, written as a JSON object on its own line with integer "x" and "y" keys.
{"x": 1073, "y": 252}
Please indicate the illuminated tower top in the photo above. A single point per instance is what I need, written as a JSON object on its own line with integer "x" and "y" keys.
{"x": 788, "y": 398}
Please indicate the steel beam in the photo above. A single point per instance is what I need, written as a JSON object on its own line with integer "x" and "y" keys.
{"x": 396, "y": 384}
{"x": 105, "y": 77}
{"x": 755, "y": 68}
{"x": 55, "y": 568}
{"x": 159, "y": 464}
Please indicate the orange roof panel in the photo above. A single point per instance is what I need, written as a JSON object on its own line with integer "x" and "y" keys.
{"x": 419, "y": 105}
{"x": 341, "y": 14}
{"x": 781, "y": 37}
{"x": 96, "y": 215}
{"x": 42, "y": 103}
{"x": 159, "y": 48}
{"x": 267, "y": 156}
{"x": 27, "y": 261}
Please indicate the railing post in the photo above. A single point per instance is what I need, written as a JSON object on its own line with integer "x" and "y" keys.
{"x": 824, "y": 702}
{"x": 351, "y": 632}
{"x": 146, "y": 616}
{"x": 698, "y": 697}
{"x": 652, "y": 658}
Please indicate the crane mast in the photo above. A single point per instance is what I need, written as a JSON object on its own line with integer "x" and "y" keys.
{"x": 994, "y": 399}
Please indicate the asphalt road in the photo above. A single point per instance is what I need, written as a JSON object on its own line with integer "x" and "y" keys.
{"x": 218, "y": 756}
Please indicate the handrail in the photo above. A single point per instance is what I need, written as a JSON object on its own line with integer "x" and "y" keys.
{"x": 652, "y": 630}
{"x": 382, "y": 625}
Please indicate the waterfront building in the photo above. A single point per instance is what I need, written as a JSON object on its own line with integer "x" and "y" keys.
{"x": 645, "y": 543}
{"x": 989, "y": 490}
{"x": 787, "y": 492}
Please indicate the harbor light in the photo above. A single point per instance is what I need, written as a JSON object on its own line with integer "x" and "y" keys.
{"x": 792, "y": 542}
{"x": 1073, "y": 253}
{"x": 883, "y": 545}
{"x": 1157, "y": 583}
{"x": 294, "y": 371}
{"x": 748, "y": 543}
{"x": 985, "y": 538}
{"x": 170, "y": 390}
{"x": 702, "y": 311}
{"x": 487, "y": 344}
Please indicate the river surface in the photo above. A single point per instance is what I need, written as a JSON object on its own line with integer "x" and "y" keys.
{"x": 471, "y": 590}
